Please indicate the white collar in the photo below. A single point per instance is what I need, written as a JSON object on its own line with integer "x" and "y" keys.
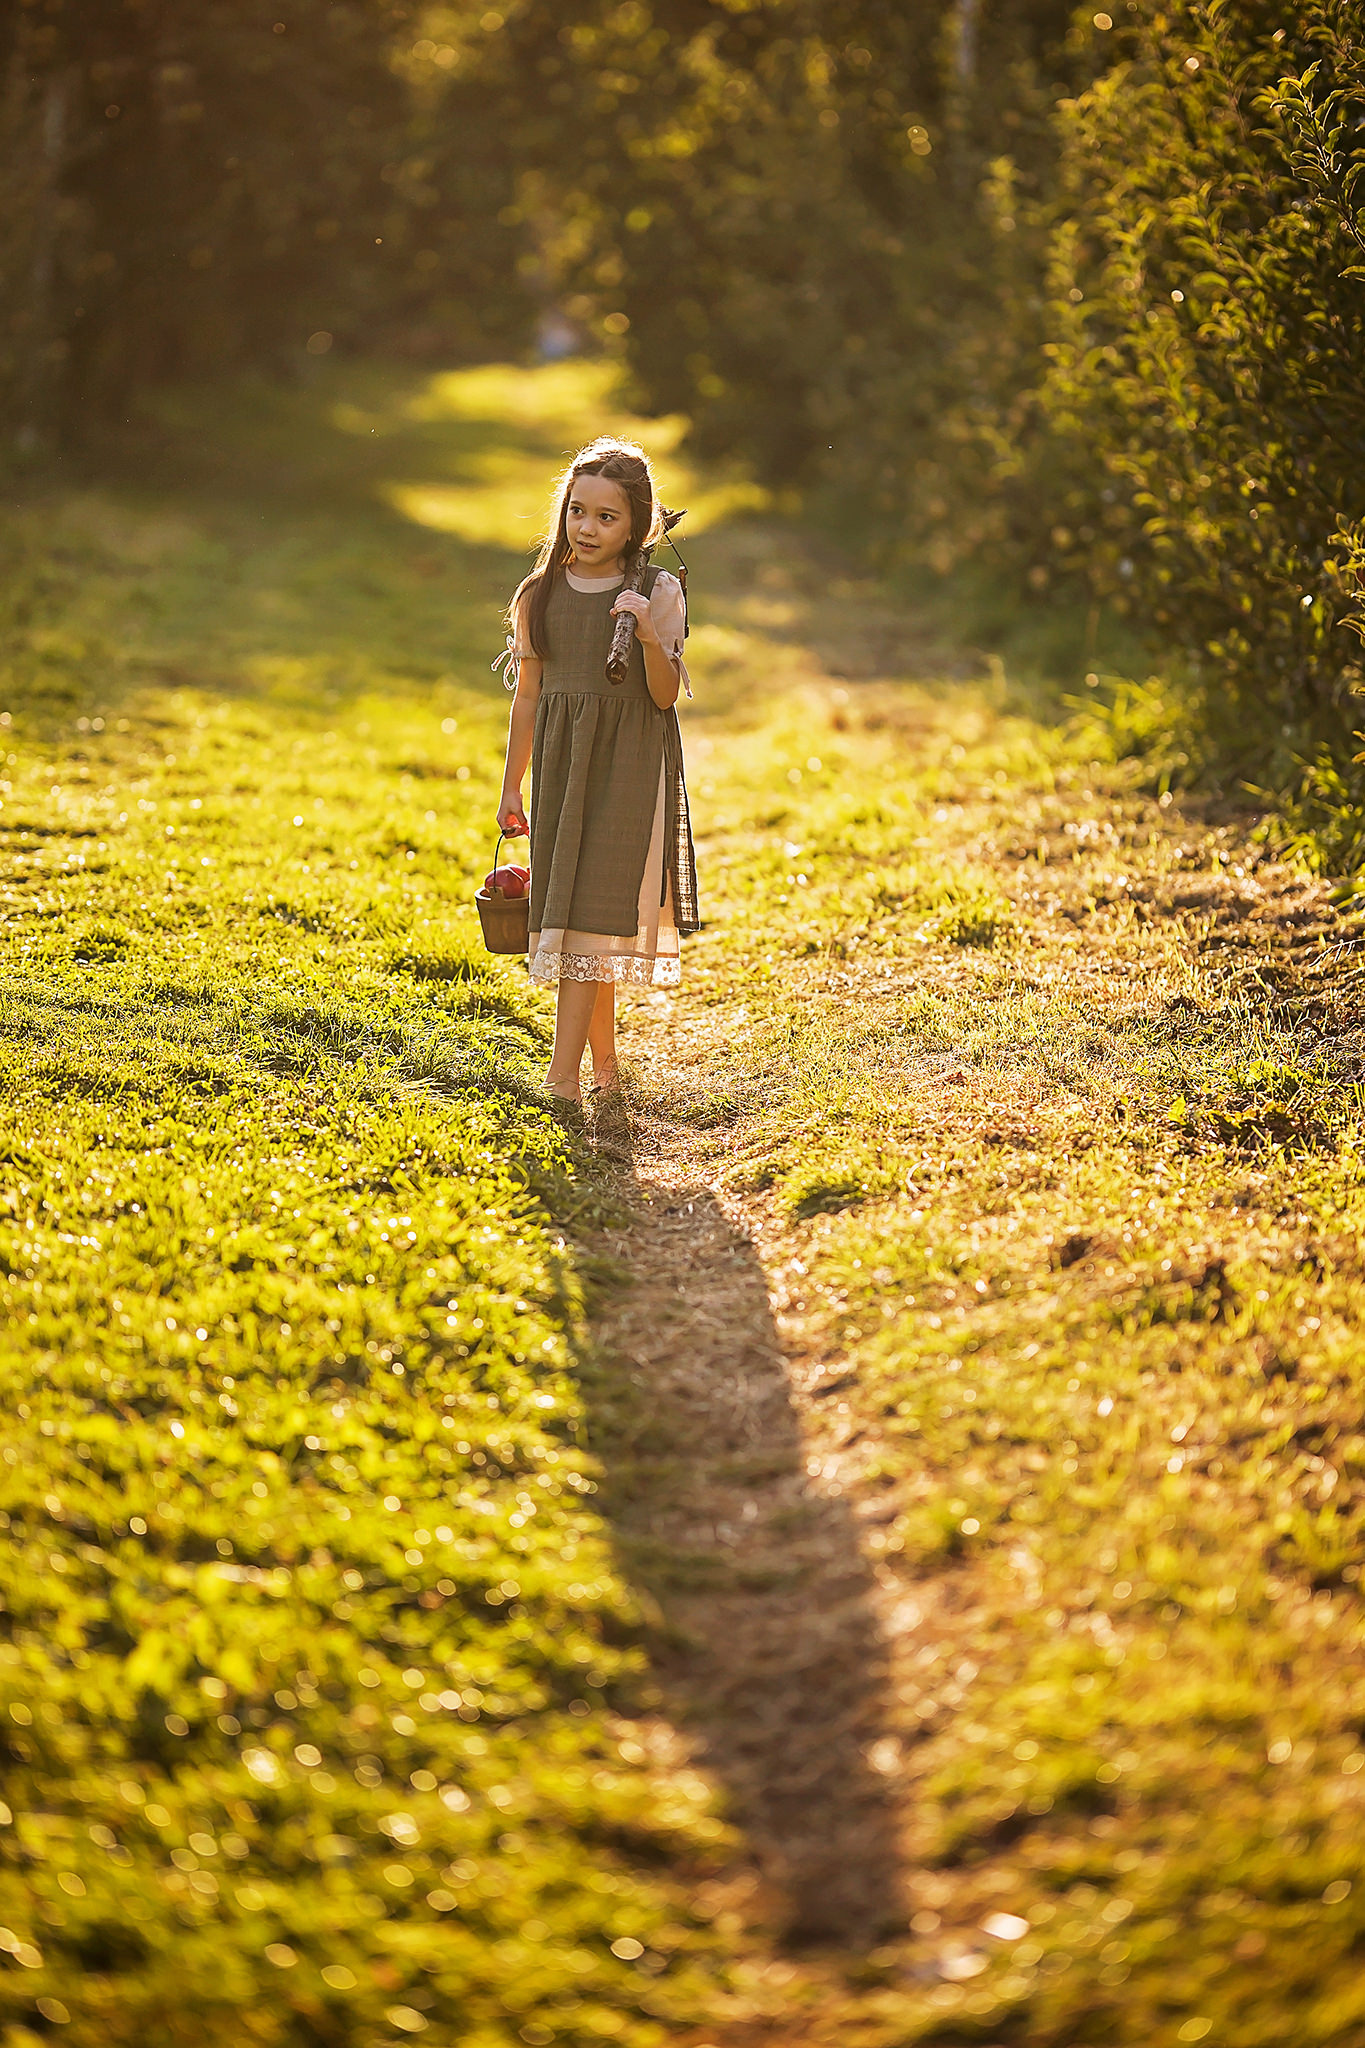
{"x": 589, "y": 586}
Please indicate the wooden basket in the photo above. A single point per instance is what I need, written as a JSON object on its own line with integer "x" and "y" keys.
{"x": 506, "y": 920}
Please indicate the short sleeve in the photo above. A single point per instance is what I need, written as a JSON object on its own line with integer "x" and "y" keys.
{"x": 520, "y": 638}
{"x": 668, "y": 612}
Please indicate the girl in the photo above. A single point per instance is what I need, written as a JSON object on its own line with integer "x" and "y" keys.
{"x": 613, "y": 875}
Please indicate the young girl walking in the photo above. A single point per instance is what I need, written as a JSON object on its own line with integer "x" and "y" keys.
{"x": 613, "y": 874}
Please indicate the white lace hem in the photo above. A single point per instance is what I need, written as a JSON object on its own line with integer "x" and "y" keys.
{"x": 662, "y": 972}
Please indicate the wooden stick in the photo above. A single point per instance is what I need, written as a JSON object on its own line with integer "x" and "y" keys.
{"x": 618, "y": 658}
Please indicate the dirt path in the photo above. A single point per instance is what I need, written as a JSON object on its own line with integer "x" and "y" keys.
{"x": 772, "y": 1642}
{"x": 749, "y": 1476}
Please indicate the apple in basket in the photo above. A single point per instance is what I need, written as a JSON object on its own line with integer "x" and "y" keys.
{"x": 508, "y": 881}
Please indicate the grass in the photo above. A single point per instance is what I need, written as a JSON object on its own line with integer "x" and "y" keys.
{"x": 1063, "y": 1202}
{"x": 324, "y": 1708}
{"x": 333, "y": 1686}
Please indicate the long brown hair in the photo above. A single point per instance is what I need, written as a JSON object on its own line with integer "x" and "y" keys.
{"x": 620, "y": 462}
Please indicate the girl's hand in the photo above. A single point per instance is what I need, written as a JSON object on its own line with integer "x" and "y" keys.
{"x": 635, "y": 601}
{"x": 512, "y": 816}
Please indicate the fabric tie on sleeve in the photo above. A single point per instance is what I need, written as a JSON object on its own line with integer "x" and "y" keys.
{"x": 509, "y": 661}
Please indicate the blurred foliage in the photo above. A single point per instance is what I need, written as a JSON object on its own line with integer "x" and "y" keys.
{"x": 191, "y": 187}
{"x": 776, "y": 214}
{"x": 1059, "y": 308}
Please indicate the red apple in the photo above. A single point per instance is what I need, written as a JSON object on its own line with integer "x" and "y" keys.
{"x": 508, "y": 881}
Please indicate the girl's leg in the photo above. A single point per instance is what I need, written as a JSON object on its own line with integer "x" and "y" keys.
{"x": 574, "y": 1007}
{"x": 602, "y": 1036}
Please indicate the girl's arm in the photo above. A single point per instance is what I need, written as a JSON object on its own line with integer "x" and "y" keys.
{"x": 661, "y": 669}
{"x": 520, "y": 733}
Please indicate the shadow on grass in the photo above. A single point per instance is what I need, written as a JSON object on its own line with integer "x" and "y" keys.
{"x": 241, "y": 539}
{"x": 181, "y": 1039}
{"x": 358, "y": 532}
{"x": 766, "y": 1643}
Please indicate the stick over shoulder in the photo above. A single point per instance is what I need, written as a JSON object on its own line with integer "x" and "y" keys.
{"x": 618, "y": 655}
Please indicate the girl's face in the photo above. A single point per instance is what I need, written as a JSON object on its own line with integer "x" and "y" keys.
{"x": 597, "y": 521}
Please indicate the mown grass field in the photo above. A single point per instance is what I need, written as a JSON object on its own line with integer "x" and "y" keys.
{"x": 322, "y": 1692}
{"x": 359, "y": 1579}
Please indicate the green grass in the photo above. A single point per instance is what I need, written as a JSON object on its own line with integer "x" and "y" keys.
{"x": 325, "y": 1716}
{"x": 330, "y": 1659}
{"x": 1070, "y": 1223}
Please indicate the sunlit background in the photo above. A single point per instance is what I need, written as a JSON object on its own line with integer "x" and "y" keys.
{"x": 1043, "y": 306}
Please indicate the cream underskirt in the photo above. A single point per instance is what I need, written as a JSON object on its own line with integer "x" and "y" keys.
{"x": 650, "y": 958}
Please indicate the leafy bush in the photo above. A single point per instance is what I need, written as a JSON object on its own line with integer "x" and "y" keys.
{"x": 1208, "y": 332}
{"x": 1321, "y": 821}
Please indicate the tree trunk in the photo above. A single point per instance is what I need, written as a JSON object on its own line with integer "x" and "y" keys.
{"x": 966, "y": 22}
{"x": 963, "y": 26}
{"x": 39, "y": 367}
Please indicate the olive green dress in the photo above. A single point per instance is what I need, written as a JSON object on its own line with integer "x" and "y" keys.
{"x": 613, "y": 873}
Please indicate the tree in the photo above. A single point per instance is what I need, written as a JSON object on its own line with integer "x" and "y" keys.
{"x": 778, "y": 210}
{"x": 199, "y": 183}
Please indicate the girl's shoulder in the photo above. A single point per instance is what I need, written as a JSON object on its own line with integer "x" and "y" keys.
{"x": 519, "y": 616}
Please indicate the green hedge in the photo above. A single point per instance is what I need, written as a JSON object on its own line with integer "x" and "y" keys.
{"x": 1208, "y": 331}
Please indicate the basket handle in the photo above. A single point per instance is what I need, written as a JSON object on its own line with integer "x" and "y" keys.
{"x": 497, "y": 851}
